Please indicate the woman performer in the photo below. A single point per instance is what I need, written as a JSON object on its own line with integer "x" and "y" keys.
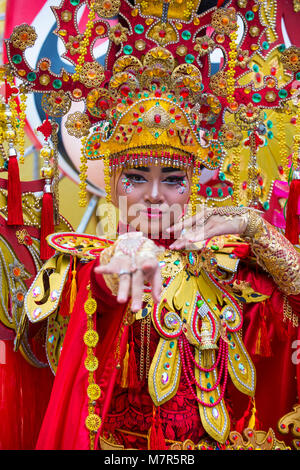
{"x": 171, "y": 314}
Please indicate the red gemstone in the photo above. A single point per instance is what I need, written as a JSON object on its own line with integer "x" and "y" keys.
{"x": 75, "y": 44}
{"x": 162, "y": 33}
{"x": 210, "y": 154}
{"x": 244, "y": 185}
{"x": 172, "y": 110}
{"x": 171, "y": 131}
{"x": 96, "y": 146}
{"x": 157, "y": 118}
{"x": 177, "y": 117}
{"x": 258, "y": 77}
{"x": 293, "y": 120}
{"x": 142, "y": 109}
{"x": 103, "y": 104}
{"x": 136, "y": 115}
{"x": 249, "y": 113}
{"x": 269, "y": 439}
{"x": 273, "y": 71}
{"x": 139, "y": 129}
{"x": 184, "y": 93}
{"x": 125, "y": 90}
{"x": 58, "y": 100}
{"x": 280, "y": 169}
{"x": 118, "y": 33}
{"x": 28, "y": 240}
{"x": 204, "y": 45}
{"x": 157, "y": 93}
{"x": 240, "y": 58}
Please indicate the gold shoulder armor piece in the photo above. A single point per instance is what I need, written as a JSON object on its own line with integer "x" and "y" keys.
{"x": 44, "y": 295}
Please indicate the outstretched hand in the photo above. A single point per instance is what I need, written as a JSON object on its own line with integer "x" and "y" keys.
{"x": 203, "y": 226}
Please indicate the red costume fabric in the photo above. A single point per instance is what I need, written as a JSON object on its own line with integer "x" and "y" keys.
{"x": 64, "y": 427}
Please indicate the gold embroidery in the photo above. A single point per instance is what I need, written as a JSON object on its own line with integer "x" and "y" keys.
{"x": 288, "y": 314}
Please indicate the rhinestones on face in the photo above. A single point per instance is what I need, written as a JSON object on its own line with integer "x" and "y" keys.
{"x": 127, "y": 185}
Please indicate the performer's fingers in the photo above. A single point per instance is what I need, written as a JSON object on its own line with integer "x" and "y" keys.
{"x": 137, "y": 290}
{"x": 124, "y": 287}
{"x": 156, "y": 283}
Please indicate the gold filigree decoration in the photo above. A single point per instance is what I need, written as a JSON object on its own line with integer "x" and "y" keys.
{"x": 231, "y": 135}
{"x": 291, "y": 58}
{"x": 73, "y": 44}
{"x": 107, "y": 8}
{"x": 218, "y": 83}
{"x": 224, "y": 20}
{"x": 296, "y": 5}
{"x": 255, "y": 440}
{"x": 288, "y": 314}
{"x": 127, "y": 62}
{"x": 98, "y": 101}
{"x": 163, "y": 33}
{"x": 159, "y": 56}
{"x": 242, "y": 58}
{"x": 291, "y": 423}
{"x": 56, "y": 103}
{"x": 248, "y": 116}
{"x": 204, "y": 45}
{"x": 91, "y": 74}
{"x": 78, "y": 124}
{"x": 118, "y": 34}
{"x": 157, "y": 120}
{"x": 275, "y": 254}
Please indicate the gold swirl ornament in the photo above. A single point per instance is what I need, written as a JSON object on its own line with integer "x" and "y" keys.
{"x": 90, "y": 306}
{"x": 93, "y": 422}
{"x": 91, "y": 338}
{"x": 91, "y": 363}
{"x": 93, "y": 392}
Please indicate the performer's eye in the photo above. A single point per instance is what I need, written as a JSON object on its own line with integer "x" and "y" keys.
{"x": 135, "y": 178}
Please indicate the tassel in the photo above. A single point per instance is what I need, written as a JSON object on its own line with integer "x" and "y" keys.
{"x": 263, "y": 347}
{"x": 292, "y": 217}
{"x": 73, "y": 290}
{"x": 124, "y": 379}
{"x": 133, "y": 382}
{"x": 47, "y": 226}
{"x": 252, "y": 420}
{"x": 156, "y": 439}
{"x": 160, "y": 438}
{"x": 14, "y": 193}
{"x": 241, "y": 424}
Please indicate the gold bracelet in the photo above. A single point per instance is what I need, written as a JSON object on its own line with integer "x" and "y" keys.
{"x": 254, "y": 220}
